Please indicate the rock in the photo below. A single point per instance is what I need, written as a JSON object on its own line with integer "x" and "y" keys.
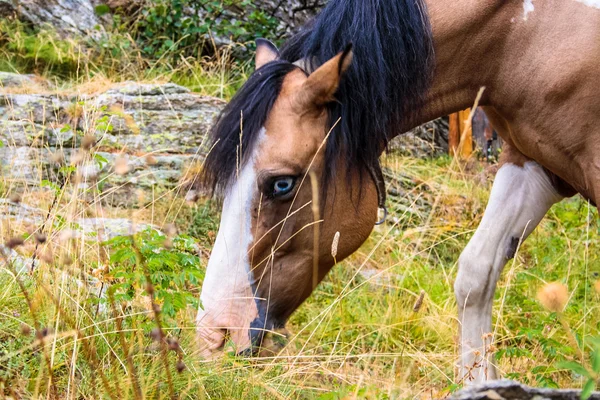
{"x": 108, "y": 228}
{"x": 291, "y": 14}
{"x": 20, "y": 213}
{"x": 151, "y": 117}
{"x": 511, "y": 390}
{"x": 146, "y": 89}
{"x": 78, "y": 17}
{"x": 102, "y": 228}
{"x": 40, "y": 109}
{"x": 24, "y": 165}
{"x": 124, "y": 190}
{"x": 9, "y": 79}
{"x": 25, "y": 133}
{"x": 142, "y": 117}
{"x": 67, "y": 17}
{"x": 166, "y": 120}
{"x": 18, "y": 263}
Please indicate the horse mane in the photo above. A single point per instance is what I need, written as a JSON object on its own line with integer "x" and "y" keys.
{"x": 391, "y": 71}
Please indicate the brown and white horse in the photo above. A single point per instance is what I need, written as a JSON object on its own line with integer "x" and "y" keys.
{"x": 295, "y": 153}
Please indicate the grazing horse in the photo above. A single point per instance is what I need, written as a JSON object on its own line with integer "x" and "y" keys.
{"x": 295, "y": 153}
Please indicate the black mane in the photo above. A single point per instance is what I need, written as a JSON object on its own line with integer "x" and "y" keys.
{"x": 390, "y": 73}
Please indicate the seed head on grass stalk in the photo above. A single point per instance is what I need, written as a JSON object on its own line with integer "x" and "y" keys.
{"x": 554, "y": 297}
{"x": 335, "y": 244}
{"x": 419, "y": 302}
{"x": 122, "y": 165}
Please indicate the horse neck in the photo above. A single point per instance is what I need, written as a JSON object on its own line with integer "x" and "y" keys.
{"x": 467, "y": 36}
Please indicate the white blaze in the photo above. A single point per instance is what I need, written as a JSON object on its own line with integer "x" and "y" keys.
{"x": 591, "y": 3}
{"x": 527, "y": 8}
{"x": 227, "y": 300}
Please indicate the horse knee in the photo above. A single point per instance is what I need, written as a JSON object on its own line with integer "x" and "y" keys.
{"x": 473, "y": 282}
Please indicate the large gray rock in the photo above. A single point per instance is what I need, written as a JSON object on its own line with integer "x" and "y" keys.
{"x": 10, "y": 79}
{"x": 18, "y": 264}
{"x": 22, "y": 215}
{"x": 133, "y": 119}
{"x": 107, "y": 228}
{"x": 67, "y": 17}
{"x": 142, "y": 117}
{"x": 511, "y": 390}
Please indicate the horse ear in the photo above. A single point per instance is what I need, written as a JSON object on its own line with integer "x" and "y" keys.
{"x": 265, "y": 52}
{"x": 320, "y": 87}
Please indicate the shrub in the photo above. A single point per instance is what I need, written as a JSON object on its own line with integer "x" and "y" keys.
{"x": 189, "y": 28}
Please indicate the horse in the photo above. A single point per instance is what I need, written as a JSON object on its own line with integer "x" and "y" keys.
{"x": 295, "y": 154}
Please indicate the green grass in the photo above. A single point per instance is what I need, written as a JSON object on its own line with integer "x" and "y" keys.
{"x": 89, "y": 65}
{"x": 354, "y": 336}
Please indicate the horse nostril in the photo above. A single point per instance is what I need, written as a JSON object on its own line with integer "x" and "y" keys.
{"x": 213, "y": 338}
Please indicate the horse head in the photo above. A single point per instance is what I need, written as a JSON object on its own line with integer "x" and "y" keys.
{"x": 283, "y": 207}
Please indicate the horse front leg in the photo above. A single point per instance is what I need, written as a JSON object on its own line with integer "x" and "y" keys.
{"x": 520, "y": 197}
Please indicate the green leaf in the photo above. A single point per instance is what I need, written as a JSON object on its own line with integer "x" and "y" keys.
{"x": 1, "y": 144}
{"x": 67, "y": 169}
{"x": 100, "y": 160}
{"x": 102, "y": 9}
{"x": 51, "y": 185}
{"x": 588, "y": 388}
{"x": 574, "y": 367}
{"x": 596, "y": 361}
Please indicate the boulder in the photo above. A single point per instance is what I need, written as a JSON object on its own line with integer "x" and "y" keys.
{"x": 21, "y": 215}
{"x": 511, "y": 390}
{"x": 108, "y": 228}
{"x": 67, "y": 17}
{"x": 39, "y": 132}
{"x": 142, "y": 117}
{"x": 18, "y": 263}
{"x": 10, "y": 79}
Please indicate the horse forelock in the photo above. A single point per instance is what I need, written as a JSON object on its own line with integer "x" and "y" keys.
{"x": 234, "y": 135}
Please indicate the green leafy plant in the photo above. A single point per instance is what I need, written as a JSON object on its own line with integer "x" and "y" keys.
{"x": 182, "y": 28}
{"x": 171, "y": 264}
{"x": 589, "y": 371}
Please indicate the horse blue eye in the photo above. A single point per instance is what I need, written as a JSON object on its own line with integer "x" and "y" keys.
{"x": 283, "y": 186}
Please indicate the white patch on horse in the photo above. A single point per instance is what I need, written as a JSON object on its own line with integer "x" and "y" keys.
{"x": 591, "y": 3}
{"x": 520, "y": 198}
{"x": 527, "y": 8}
{"x": 227, "y": 300}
